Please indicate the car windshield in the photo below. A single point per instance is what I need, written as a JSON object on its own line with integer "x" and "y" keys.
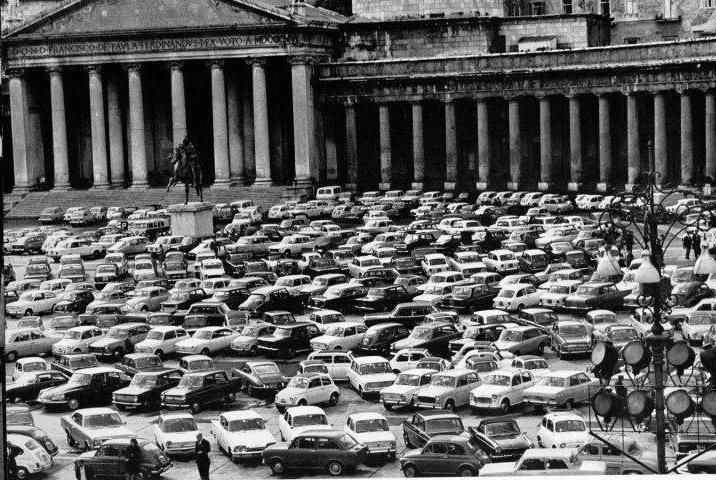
{"x": 282, "y": 332}
{"x": 143, "y": 380}
{"x": 246, "y": 424}
{"x": 372, "y": 368}
{"x": 102, "y": 420}
{"x": 569, "y": 426}
{"x": 80, "y": 378}
{"x": 552, "y": 382}
{"x": 203, "y": 309}
{"x": 573, "y": 330}
{"x": 501, "y": 380}
{"x": 372, "y": 425}
{"x": 72, "y": 335}
{"x": 59, "y": 323}
{"x": 155, "y": 335}
{"x": 563, "y": 289}
{"x": 507, "y": 293}
{"x": 501, "y": 428}
{"x": 511, "y": 336}
{"x": 310, "y": 419}
{"x": 175, "y": 425}
{"x": 681, "y": 275}
{"x": 203, "y": 334}
{"x": 36, "y": 269}
{"x": 443, "y": 381}
{"x": 117, "y": 332}
{"x": 191, "y": 381}
{"x": 444, "y": 425}
{"x": 623, "y": 334}
{"x": 408, "y": 379}
{"x": 700, "y": 320}
{"x": 422, "y": 332}
{"x": 481, "y": 365}
{"x": 254, "y": 300}
{"x": 266, "y": 369}
{"x": 179, "y": 296}
{"x": 335, "y": 331}
{"x": 587, "y": 291}
{"x": 250, "y": 331}
{"x": 298, "y": 382}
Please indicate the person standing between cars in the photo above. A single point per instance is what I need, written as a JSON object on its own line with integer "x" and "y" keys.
{"x": 133, "y": 457}
{"x": 696, "y": 244}
{"x": 686, "y": 243}
{"x": 201, "y": 450}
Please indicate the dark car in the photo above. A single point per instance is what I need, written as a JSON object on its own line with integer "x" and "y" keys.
{"x": 444, "y": 455}
{"x": 29, "y": 385}
{"x": 208, "y": 314}
{"x": 379, "y": 337}
{"x": 260, "y": 377}
{"x": 106, "y": 273}
{"x": 500, "y": 438}
{"x": 468, "y": 298}
{"x": 72, "y": 362}
{"x": 174, "y": 265}
{"x": 198, "y": 389}
{"x": 278, "y": 317}
{"x": 594, "y": 295}
{"x": 288, "y": 340}
{"x": 183, "y": 299}
{"x": 163, "y": 318}
{"x": 231, "y": 296}
{"x": 74, "y": 301}
{"x": 407, "y": 266}
{"x": 88, "y": 386}
{"x": 110, "y": 460}
{"x": 382, "y": 299}
{"x": 272, "y": 298}
{"x": 36, "y": 434}
{"x": 38, "y": 271}
{"x": 321, "y": 266}
{"x": 331, "y": 450}
{"x": 424, "y": 425}
{"x": 476, "y": 336}
{"x": 688, "y": 294}
{"x": 134, "y": 363}
{"x": 434, "y": 337}
{"x": 339, "y": 297}
{"x": 145, "y": 389}
{"x": 408, "y": 314}
{"x": 571, "y": 337}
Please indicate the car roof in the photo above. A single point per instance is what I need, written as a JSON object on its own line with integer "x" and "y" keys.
{"x": 455, "y": 372}
{"x": 190, "y": 358}
{"x": 492, "y": 311}
{"x": 543, "y": 453}
{"x": 95, "y": 410}
{"x": 305, "y": 410}
{"x": 370, "y": 359}
{"x": 240, "y": 415}
{"x": 168, "y": 415}
{"x": 101, "y": 369}
{"x": 564, "y": 373}
{"x": 564, "y": 415}
{"x": 203, "y": 373}
{"x": 437, "y": 413}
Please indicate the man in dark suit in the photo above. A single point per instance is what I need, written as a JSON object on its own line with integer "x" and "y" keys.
{"x": 202, "y": 449}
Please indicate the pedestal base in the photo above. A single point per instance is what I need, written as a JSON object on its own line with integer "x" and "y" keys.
{"x": 603, "y": 186}
{"x": 117, "y": 185}
{"x": 513, "y": 186}
{"x": 629, "y": 187}
{"x": 481, "y": 186}
{"x": 103, "y": 186}
{"x": 63, "y": 187}
{"x": 263, "y": 181}
{"x": 139, "y": 185}
{"x": 544, "y": 186}
{"x": 194, "y": 219}
{"x": 384, "y": 186}
{"x": 221, "y": 183}
{"x": 237, "y": 181}
{"x": 416, "y": 185}
{"x": 450, "y": 186}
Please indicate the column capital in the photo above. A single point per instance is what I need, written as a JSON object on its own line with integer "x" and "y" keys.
{"x": 572, "y": 94}
{"x": 447, "y": 98}
{"x": 302, "y": 60}
{"x": 176, "y": 65}
{"x": 349, "y": 101}
{"x": 94, "y": 69}
{"x": 542, "y": 95}
{"x": 256, "y": 61}
{"x": 218, "y": 63}
{"x": 512, "y": 97}
{"x": 54, "y": 69}
{"x": 682, "y": 90}
{"x": 132, "y": 67}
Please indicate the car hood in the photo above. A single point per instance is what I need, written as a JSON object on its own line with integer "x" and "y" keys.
{"x": 180, "y": 437}
{"x": 104, "y": 342}
{"x": 297, "y": 430}
{"x": 191, "y": 342}
{"x": 407, "y": 343}
{"x": 398, "y": 389}
{"x": 105, "y": 433}
{"x": 289, "y": 392}
{"x": 149, "y": 343}
{"x": 251, "y": 438}
{"x": 511, "y": 441}
{"x": 372, "y": 437}
{"x": 503, "y": 345}
{"x": 378, "y": 377}
{"x": 177, "y": 391}
{"x": 543, "y": 390}
{"x": 241, "y": 339}
{"x": 131, "y": 390}
{"x": 137, "y": 300}
{"x": 489, "y": 390}
{"x": 433, "y": 391}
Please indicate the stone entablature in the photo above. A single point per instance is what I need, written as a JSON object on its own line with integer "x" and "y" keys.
{"x": 391, "y": 9}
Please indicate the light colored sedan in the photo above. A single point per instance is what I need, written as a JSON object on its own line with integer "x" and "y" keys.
{"x": 27, "y": 342}
{"x": 33, "y": 302}
{"x": 207, "y": 340}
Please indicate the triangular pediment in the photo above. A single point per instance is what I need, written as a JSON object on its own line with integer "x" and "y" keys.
{"x": 109, "y": 17}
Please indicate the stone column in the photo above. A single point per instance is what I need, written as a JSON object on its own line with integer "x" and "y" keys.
{"x": 484, "y": 167}
{"x": 178, "y": 103}
{"x": 221, "y": 136}
{"x": 386, "y": 159}
{"x": 515, "y": 144}
{"x": 114, "y": 131}
{"x": 236, "y": 133}
{"x": 633, "y": 161}
{"x": 576, "y": 172}
{"x": 418, "y": 147}
{"x": 605, "y": 145}
{"x": 304, "y": 122}
{"x": 59, "y": 130}
{"x": 545, "y": 143}
{"x": 262, "y": 151}
{"x": 247, "y": 123}
{"x": 329, "y": 124}
{"x": 138, "y": 148}
{"x": 97, "y": 124}
{"x": 21, "y": 136}
{"x": 687, "y": 140}
{"x": 450, "y": 146}
{"x": 660, "y": 152}
{"x": 710, "y": 134}
{"x": 351, "y": 147}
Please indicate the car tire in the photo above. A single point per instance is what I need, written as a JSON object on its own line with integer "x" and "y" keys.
{"x": 334, "y": 468}
{"x": 521, "y": 306}
{"x": 144, "y": 308}
{"x": 450, "y": 405}
{"x": 231, "y": 398}
{"x": 539, "y": 442}
{"x": 302, "y": 403}
{"x": 569, "y": 404}
{"x": 160, "y": 354}
{"x": 333, "y": 401}
{"x": 290, "y": 352}
{"x": 73, "y": 404}
{"x": 387, "y": 406}
{"x": 22, "y": 473}
{"x": 195, "y": 408}
{"x": 465, "y": 472}
{"x": 70, "y": 441}
{"x": 287, "y": 253}
{"x": 87, "y": 446}
{"x": 250, "y": 390}
{"x": 410, "y": 471}
{"x": 360, "y": 392}
{"x": 505, "y": 406}
{"x": 278, "y": 466}
{"x": 11, "y": 356}
{"x": 118, "y": 354}
{"x": 205, "y": 351}
{"x": 540, "y": 349}
{"x": 28, "y": 312}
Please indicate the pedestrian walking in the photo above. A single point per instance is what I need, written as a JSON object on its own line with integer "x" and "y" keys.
{"x": 201, "y": 450}
{"x": 133, "y": 457}
{"x": 686, "y": 243}
{"x": 696, "y": 244}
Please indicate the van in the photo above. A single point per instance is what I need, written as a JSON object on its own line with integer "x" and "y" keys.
{"x": 329, "y": 193}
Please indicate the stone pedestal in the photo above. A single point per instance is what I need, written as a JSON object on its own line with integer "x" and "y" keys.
{"x": 416, "y": 185}
{"x": 480, "y": 186}
{"x": 513, "y": 186}
{"x": 575, "y": 186}
{"x": 194, "y": 219}
{"x": 603, "y": 186}
{"x": 300, "y": 192}
{"x": 545, "y": 186}
{"x": 450, "y": 186}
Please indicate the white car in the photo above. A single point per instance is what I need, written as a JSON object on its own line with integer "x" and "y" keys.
{"x": 32, "y": 459}
{"x": 144, "y": 269}
{"x": 369, "y": 375}
{"x": 308, "y": 389}
{"x": 373, "y": 431}
{"x": 545, "y": 462}
{"x": 212, "y": 284}
{"x": 340, "y": 336}
{"x": 434, "y": 263}
{"x": 241, "y": 434}
{"x": 501, "y": 261}
{"x": 562, "y": 430}
{"x": 517, "y": 297}
{"x": 400, "y": 394}
{"x": 501, "y": 389}
{"x": 210, "y": 268}
{"x": 28, "y": 365}
{"x": 338, "y": 363}
{"x": 278, "y": 212}
{"x": 300, "y": 419}
{"x": 536, "y": 365}
{"x": 175, "y": 433}
{"x": 161, "y": 340}
{"x": 293, "y": 245}
{"x": 448, "y": 389}
{"x": 207, "y": 340}
{"x": 407, "y": 359}
{"x": 293, "y": 283}
{"x": 554, "y": 298}
{"x": 32, "y": 302}
{"x": 77, "y": 340}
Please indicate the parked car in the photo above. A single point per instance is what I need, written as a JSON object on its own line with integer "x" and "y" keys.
{"x": 422, "y": 426}
{"x": 288, "y": 340}
{"x": 563, "y": 430}
{"x": 119, "y": 341}
{"x": 407, "y": 383}
{"x": 545, "y": 461}
{"x": 571, "y": 338}
{"x": 89, "y": 428}
{"x": 110, "y": 460}
{"x": 522, "y": 340}
{"x": 501, "y": 439}
{"x": 70, "y": 363}
{"x": 242, "y": 434}
{"x": 618, "y": 463}
{"x": 87, "y": 386}
{"x": 502, "y": 389}
{"x": 198, "y": 389}
{"x": 308, "y": 389}
{"x": 372, "y": 430}
{"x": 449, "y": 389}
{"x": 444, "y": 455}
{"x": 27, "y": 386}
{"x": 26, "y": 343}
{"x": 145, "y": 389}
{"x": 260, "y": 378}
{"x": 560, "y": 388}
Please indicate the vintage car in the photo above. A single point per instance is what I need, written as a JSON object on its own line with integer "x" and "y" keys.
{"x": 35, "y": 433}
{"x": 27, "y": 386}
{"x": 368, "y": 375}
{"x": 382, "y": 299}
{"x": 175, "y": 433}
{"x": 147, "y": 299}
{"x": 617, "y": 462}
{"x": 378, "y": 338}
{"x": 500, "y": 438}
{"x": 468, "y": 298}
{"x": 407, "y": 314}
{"x": 119, "y": 340}
{"x": 562, "y": 388}
{"x": 307, "y": 389}
{"x": 195, "y": 363}
{"x": 247, "y": 342}
{"x": 563, "y": 430}
{"x": 183, "y": 299}
{"x": 30, "y": 458}
{"x": 77, "y": 340}
{"x": 301, "y": 419}
{"x": 339, "y": 297}
{"x": 110, "y": 460}
{"x": 88, "y": 428}
{"x": 28, "y": 365}
{"x": 198, "y": 389}
{"x": 272, "y": 298}
{"x": 536, "y": 365}
{"x": 407, "y": 359}
{"x": 242, "y": 434}
{"x": 501, "y": 389}
{"x": 340, "y": 336}
{"x": 75, "y": 301}
{"x": 522, "y": 340}
{"x": 545, "y": 461}
{"x": 373, "y": 431}
{"x": 448, "y": 389}
{"x": 331, "y": 450}
{"x": 435, "y": 337}
{"x": 27, "y": 342}
{"x": 476, "y": 336}
{"x": 288, "y": 340}
{"x": 161, "y": 340}
{"x": 33, "y": 302}
{"x": 595, "y": 295}
{"x": 570, "y": 337}
{"x": 600, "y": 320}
{"x": 444, "y": 455}
{"x": 134, "y": 363}
{"x": 207, "y": 340}
{"x": 87, "y": 386}
{"x": 70, "y": 363}
{"x": 402, "y": 392}
{"x": 145, "y": 389}
{"x": 422, "y": 426}
{"x": 337, "y": 363}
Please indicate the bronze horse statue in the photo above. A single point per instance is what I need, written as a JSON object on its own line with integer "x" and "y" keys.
{"x": 186, "y": 169}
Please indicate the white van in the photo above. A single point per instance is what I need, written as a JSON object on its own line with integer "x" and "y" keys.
{"x": 329, "y": 193}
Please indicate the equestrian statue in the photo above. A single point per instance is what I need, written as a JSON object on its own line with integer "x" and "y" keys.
{"x": 186, "y": 168}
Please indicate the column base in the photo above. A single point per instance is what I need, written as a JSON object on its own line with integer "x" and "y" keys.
{"x": 263, "y": 181}
{"x": 384, "y": 186}
{"x": 117, "y": 185}
{"x": 575, "y": 186}
{"x": 351, "y": 187}
{"x": 450, "y": 186}
{"x": 544, "y": 186}
{"x": 221, "y": 183}
{"x": 142, "y": 185}
{"x": 603, "y": 186}
{"x": 513, "y": 186}
{"x": 236, "y": 181}
{"x": 629, "y": 187}
{"x": 481, "y": 186}
{"x": 101, "y": 186}
{"x": 22, "y": 190}
{"x": 416, "y": 185}
{"x": 62, "y": 187}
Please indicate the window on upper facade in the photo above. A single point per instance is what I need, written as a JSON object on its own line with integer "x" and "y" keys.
{"x": 709, "y": 3}
{"x": 669, "y": 9}
{"x": 605, "y": 7}
{"x": 537, "y": 8}
{"x": 514, "y": 10}
{"x": 631, "y": 40}
{"x": 566, "y": 7}
{"x": 630, "y": 7}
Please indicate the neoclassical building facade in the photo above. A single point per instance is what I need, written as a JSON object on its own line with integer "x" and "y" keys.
{"x": 453, "y": 94}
